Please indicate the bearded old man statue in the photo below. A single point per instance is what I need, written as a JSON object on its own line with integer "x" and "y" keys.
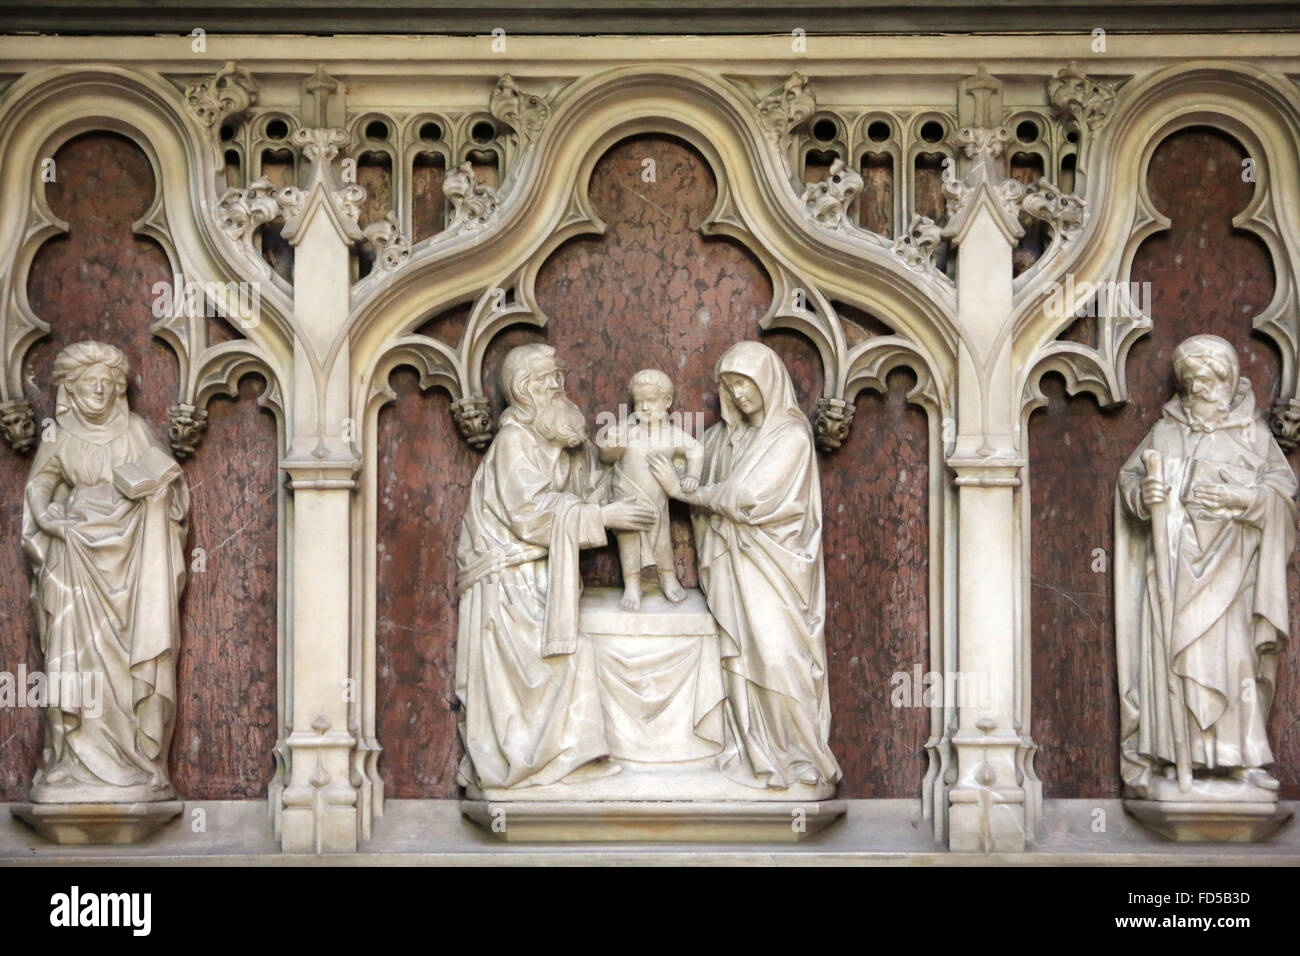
{"x": 1205, "y": 523}
{"x": 104, "y": 526}
{"x": 525, "y": 675}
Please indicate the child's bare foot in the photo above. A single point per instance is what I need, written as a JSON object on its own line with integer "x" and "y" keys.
{"x": 672, "y": 590}
{"x": 631, "y": 600}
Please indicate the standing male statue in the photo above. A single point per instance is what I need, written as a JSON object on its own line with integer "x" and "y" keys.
{"x": 525, "y": 675}
{"x": 1205, "y": 524}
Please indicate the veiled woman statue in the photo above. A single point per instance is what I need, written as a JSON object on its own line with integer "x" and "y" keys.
{"x": 758, "y": 533}
{"x": 104, "y": 526}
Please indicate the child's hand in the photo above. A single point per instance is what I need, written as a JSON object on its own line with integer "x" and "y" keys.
{"x": 690, "y": 484}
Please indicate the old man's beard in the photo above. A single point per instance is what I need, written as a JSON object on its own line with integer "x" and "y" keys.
{"x": 560, "y": 422}
{"x": 1203, "y": 410}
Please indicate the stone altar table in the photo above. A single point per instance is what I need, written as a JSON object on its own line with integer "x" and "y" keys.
{"x": 663, "y": 698}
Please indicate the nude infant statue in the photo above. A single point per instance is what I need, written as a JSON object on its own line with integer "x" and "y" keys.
{"x": 650, "y": 431}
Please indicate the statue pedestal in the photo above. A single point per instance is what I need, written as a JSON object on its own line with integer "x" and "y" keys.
{"x": 662, "y": 693}
{"x": 1206, "y": 821}
{"x": 1211, "y": 811}
{"x": 79, "y": 824}
{"x": 666, "y": 822}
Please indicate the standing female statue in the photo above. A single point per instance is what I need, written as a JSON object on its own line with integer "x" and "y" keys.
{"x": 758, "y": 534}
{"x": 104, "y": 526}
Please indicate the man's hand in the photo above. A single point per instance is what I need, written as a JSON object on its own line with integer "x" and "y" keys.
{"x": 1155, "y": 491}
{"x": 665, "y": 474}
{"x": 627, "y": 516}
{"x": 1226, "y": 497}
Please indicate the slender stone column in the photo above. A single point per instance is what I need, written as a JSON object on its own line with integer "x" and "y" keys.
{"x": 987, "y": 810}
{"x": 320, "y": 802}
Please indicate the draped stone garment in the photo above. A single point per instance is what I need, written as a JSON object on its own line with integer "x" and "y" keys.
{"x": 526, "y": 678}
{"x": 758, "y": 541}
{"x": 1229, "y": 593}
{"x": 105, "y": 598}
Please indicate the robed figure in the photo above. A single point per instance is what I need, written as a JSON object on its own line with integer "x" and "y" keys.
{"x": 757, "y": 516}
{"x": 1205, "y": 523}
{"x": 530, "y": 707}
{"x": 104, "y": 527}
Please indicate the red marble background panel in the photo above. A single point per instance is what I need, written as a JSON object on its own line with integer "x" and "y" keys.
{"x": 1204, "y": 276}
{"x": 97, "y": 282}
{"x": 654, "y": 292}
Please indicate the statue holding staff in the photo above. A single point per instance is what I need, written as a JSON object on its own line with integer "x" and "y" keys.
{"x": 1205, "y": 524}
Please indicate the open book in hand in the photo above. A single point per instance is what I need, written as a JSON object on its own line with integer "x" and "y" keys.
{"x": 152, "y": 470}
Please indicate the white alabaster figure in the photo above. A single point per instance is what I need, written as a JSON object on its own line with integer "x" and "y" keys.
{"x": 104, "y": 524}
{"x": 758, "y": 524}
{"x": 530, "y": 706}
{"x": 650, "y": 431}
{"x": 1205, "y": 523}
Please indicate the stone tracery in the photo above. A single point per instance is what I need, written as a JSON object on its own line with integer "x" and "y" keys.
{"x": 498, "y": 235}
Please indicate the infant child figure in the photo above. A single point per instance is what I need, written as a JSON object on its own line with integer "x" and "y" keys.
{"x": 650, "y": 431}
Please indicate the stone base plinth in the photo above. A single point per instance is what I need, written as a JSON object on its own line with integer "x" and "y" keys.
{"x": 650, "y": 822}
{"x": 1201, "y": 821}
{"x": 697, "y": 781}
{"x": 80, "y": 824}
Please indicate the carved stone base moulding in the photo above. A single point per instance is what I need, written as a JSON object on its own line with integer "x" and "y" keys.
{"x": 326, "y": 295}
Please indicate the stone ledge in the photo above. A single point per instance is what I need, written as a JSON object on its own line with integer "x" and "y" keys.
{"x": 646, "y": 821}
{"x": 1075, "y": 832}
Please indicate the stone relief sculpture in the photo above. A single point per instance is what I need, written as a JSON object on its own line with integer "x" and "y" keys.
{"x": 1205, "y": 524}
{"x": 758, "y": 527}
{"x": 684, "y": 696}
{"x": 104, "y": 525}
{"x": 526, "y": 679}
{"x": 650, "y": 432}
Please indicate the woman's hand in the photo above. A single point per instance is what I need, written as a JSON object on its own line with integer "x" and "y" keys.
{"x": 665, "y": 474}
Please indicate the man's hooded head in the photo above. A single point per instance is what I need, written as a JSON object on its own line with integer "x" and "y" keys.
{"x": 1207, "y": 370}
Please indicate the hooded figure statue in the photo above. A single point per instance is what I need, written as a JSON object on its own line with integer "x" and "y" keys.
{"x": 758, "y": 534}
{"x": 1203, "y": 531}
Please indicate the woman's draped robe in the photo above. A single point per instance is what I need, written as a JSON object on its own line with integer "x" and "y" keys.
{"x": 105, "y": 598}
{"x": 530, "y": 707}
{"x": 758, "y": 543}
{"x": 1229, "y": 591}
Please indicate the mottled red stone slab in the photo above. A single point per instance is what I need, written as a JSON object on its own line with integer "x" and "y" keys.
{"x": 1205, "y": 277}
{"x": 226, "y": 672}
